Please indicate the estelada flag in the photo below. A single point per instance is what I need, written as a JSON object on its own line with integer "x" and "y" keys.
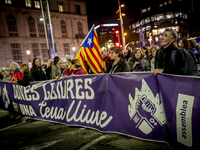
{"x": 91, "y": 50}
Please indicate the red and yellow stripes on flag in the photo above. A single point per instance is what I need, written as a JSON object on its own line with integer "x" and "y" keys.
{"x": 93, "y": 55}
{"x": 81, "y": 59}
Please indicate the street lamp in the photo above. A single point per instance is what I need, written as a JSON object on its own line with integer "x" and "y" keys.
{"x": 28, "y": 53}
{"x": 74, "y": 48}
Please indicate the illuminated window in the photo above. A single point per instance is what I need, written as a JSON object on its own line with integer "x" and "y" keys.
{"x": 153, "y": 18}
{"x": 133, "y": 25}
{"x": 16, "y": 52}
{"x": 44, "y": 52}
{"x": 169, "y": 15}
{"x": 31, "y": 25}
{"x": 12, "y": 26}
{"x": 8, "y": 2}
{"x": 28, "y": 3}
{"x": 180, "y": 14}
{"x": 142, "y": 22}
{"x": 60, "y": 6}
{"x": 170, "y": 1}
{"x": 165, "y": 3}
{"x": 154, "y": 32}
{"x": 185, "y": 16}
{"x": 35, "y": 49}
{"x": 176, "y": 14}
{"x": 37, "y": 4}
{"x": 137, "y": 24}
{"x": 149, "y": 8}
{"x": 161, "y": 5}
{"x": 160, "y": 17}
{"x": 63, "y": 29}
{"x": 144, "y": 10}
{"x": 147, "y": 20}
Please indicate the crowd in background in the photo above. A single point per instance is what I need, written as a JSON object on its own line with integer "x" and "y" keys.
{"x": 133, "y": 60}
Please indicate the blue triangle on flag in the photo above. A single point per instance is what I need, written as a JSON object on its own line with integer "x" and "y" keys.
{"x": 88, "y": 42}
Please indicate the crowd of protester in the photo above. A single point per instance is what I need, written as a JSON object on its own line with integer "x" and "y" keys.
{"x": 133, "y": 60}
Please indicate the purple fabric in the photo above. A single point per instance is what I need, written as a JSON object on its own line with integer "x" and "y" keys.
{"x": 139, "y": 66}
{"x": 162, "y": 108}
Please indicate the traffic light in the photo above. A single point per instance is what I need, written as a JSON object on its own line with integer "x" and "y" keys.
{"x": 117, "y": 32}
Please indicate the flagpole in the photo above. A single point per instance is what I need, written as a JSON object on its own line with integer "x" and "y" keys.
{"x": 45, "y": 31}
{"x": 50, "y": 27}
{"x": 87, "y": 34}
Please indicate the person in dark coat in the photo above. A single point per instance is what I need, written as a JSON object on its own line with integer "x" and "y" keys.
{"x": 163, "y": 61}
{"x": 117, "y": 64}
{"x": 27, "y": 77}
{"x": 36, "y": 71}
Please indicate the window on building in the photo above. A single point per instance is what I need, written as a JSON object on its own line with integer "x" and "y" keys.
{"x": 180, "y": 14}
{"x": 176, "y": 14}
{"x": 147, "y": 20}
{"x": 169, "y": 15}
{"x": 35, "y": 50}
{"x": 149, "y": 8}
{"x": 160, "y": 17}
{"x": 176, "y": 22}
{"x": 60, "y": 6}
{"x": 28, "y": 3}
{"x": 40, "y": 28}
{"x": 80, "y": 28}
{"x": 170, "y": 1}
{"x": 8, "y": 2}
{"x": 153, "y": 18}
{"x": 161, "y": 5}
{"x": 37, "y": 4}
{"x": 44, "y": 52}
{"x": 133, "y": 25}
{"x": 165, "y": 3}
{"x": 16, "y": 52}
{"x": 63, "y": 29}
{"x": 12, "y": 26}
{"x": 137, "y": 24}
{"x": 144, "y": 10}
{"x": 78, "y": 9}
{"x": 66, "y": 48}
{"x": 31, "y": 25}
{"x": 185, "y": 16}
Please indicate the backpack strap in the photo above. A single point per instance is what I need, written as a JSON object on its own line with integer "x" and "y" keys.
{"x": 173, "y": 57}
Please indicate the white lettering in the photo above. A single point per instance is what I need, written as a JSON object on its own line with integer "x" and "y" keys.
{"x": 79, "y": 87}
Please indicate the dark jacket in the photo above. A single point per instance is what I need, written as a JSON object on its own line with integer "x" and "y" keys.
{"x": 122, "y": 66}
{"x": 143, "y": 62}
{"x": 27, "y": 78}
{"x": 164, "y": 61}
{"x": 38, "y": 74}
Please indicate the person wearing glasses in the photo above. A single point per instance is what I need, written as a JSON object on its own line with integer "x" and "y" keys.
{"x": 163, "y": 62}
{"x": 117, "y": 64}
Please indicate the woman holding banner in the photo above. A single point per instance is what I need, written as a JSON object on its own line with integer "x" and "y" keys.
{"x": 62, "y": 67}
{"x": 117, "y": 64}
{"x": 75, "y": 68}
{"x": 16, "y": 74}
{"x": 136, "y": 62}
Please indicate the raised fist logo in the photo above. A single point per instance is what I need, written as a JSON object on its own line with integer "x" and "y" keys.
{"x": 145, "y": 110}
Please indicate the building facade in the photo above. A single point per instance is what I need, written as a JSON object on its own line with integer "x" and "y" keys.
{"x": 157, "y": 15}
{"x": 22, "y": 29}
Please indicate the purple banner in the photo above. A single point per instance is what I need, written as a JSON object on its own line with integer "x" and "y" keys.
{"x": 129, "y": 103}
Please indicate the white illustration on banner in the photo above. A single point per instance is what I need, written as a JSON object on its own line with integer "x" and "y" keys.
{"x": 6, "y": 99}
{"x": 145, "y": 109}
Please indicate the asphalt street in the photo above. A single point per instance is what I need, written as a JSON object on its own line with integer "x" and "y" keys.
{"x": 19, "y": 133}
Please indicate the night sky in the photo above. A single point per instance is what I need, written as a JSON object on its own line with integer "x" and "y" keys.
{"x": 104, "y": 11}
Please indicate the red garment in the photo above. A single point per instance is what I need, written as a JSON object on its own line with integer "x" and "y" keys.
{"x": 76, "y": 72}
{"x": 17, "y": 74}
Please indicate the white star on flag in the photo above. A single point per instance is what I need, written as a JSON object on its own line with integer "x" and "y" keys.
{"x": 89, "y": 41}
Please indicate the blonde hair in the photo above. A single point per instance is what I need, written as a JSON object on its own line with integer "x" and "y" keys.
{"x": 25, "y": 67}
{"x": 14, "y": 64}
{"x": 154, "y": 47}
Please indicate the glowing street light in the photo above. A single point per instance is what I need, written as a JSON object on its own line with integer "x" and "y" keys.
{"x": 28, "y": 52}
{"x": 74, "y": 48}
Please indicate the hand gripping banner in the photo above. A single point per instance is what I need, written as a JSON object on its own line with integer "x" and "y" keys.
{"x": 163, "y": 108}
